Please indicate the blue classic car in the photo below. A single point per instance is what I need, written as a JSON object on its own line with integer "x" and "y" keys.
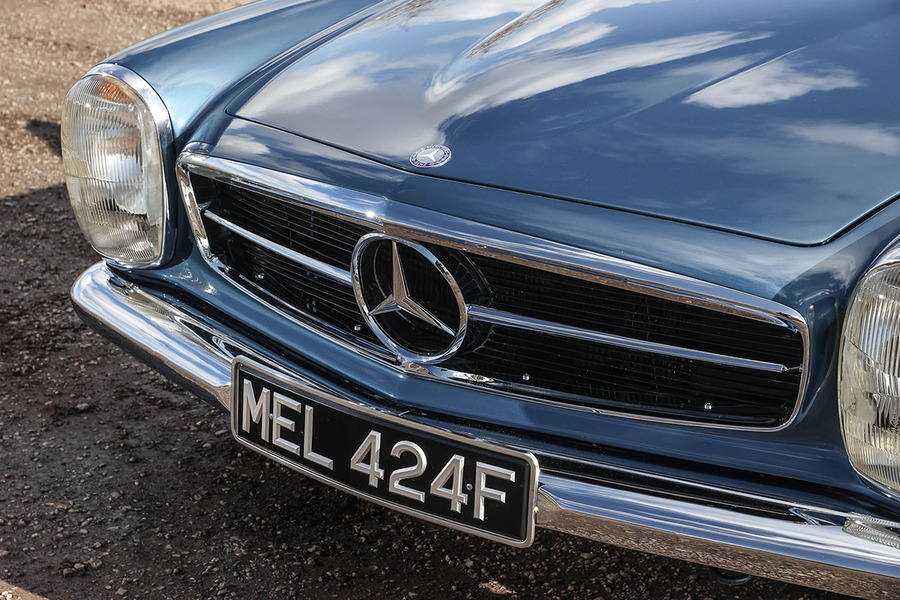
{"x": 626, "y": 269}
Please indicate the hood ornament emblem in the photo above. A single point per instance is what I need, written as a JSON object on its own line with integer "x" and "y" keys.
{"x": 430, "y": 156}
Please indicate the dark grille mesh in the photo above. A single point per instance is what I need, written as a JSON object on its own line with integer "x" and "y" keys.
{"x": 308, "y": 292}
{"x": 604, "y": 376}
{"x": 314, "y": 234}
{"x": 568, "y": 370}
{"x": 588, "y": 305}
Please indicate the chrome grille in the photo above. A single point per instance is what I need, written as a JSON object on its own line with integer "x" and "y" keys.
{"x": 545, "y": 332}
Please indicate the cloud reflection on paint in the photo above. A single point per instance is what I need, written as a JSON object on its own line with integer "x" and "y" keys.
{"x": 776, "y": 81}
{"x": 552, "y": 17}
{"x": 457, "y": 90}
{"x": 864, "y": 136}
{"x": 479, "y": 90}
{"x": 435, "y": 12}
{"x": 531, "y": 48}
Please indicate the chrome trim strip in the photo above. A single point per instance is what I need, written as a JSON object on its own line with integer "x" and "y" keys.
{"x": 814, "y": 552}
{"x": 166, "y": 139}
{"x": 489, "y": 315}
{"x": 420, "y": 224}
{"x": 306, "y": 192}
{"x": 189, "y": 199}
{"x": 799, "y": 509}
{"x": 312, "y": 264}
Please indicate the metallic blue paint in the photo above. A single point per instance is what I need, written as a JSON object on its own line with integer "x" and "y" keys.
{"x": 756, "y": 266}
{"x": 768, "y": 118}
{"x": 218, "y": 53}
{"x": 675, "y": 148}
{"x": 815, "y": 280}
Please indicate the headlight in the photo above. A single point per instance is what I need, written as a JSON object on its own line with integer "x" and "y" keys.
{"x": 869, "y": 377}
{"x": 115, "y": 130}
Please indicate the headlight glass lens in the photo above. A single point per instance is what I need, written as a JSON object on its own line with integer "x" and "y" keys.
{"x": 114, "y": 172}
{"x": 869, "y": 389}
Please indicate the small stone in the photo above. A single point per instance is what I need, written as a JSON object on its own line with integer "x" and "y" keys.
{"x": 79, "y": 566}
{"x": 95, "y": 563}
{"x": 121, "y": 591}
{"x": 83, "y": 407}
{"x": 311, "y": 561}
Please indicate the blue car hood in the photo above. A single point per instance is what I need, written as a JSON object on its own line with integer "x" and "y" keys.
{"x": 774, "y": 119}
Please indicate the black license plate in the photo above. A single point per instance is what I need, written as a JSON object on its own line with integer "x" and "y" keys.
{"x": 438, "y": 476}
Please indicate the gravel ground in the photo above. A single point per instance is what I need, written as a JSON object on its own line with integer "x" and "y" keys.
{"x": 117, "y": 484}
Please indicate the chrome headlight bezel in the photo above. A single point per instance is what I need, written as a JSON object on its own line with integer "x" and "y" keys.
{"x": 158, "y": 114}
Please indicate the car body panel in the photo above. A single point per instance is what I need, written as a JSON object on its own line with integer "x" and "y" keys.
{"x": 764, "y": 118}
{"x": 794, "y": 534}
{"x": 803, "y": 242}
{"x": 816, "y": 281}
{"x": 796, "y": 276}
{"x": 223, "y": 50}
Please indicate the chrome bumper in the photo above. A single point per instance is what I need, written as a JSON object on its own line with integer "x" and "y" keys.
{"x": 818, "y": 553}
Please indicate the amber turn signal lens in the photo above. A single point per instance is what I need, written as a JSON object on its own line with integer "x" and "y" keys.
{"x": 110, "y": 91}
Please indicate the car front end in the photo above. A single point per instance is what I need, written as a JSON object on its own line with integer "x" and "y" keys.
{"x": 594, "y": 269}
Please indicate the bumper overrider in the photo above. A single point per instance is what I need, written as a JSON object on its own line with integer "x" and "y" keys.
{"x": 803, "y": 544}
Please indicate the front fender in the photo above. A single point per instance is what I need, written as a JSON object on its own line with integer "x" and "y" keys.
{"x": 224, "y": 50}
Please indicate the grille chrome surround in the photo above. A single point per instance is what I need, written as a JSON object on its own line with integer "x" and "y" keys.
{"x": 395, "y": 219}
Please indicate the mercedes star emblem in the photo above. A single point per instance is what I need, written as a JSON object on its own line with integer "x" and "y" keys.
{"x": 421, "y": 319}
{"x": 430, "y": 156}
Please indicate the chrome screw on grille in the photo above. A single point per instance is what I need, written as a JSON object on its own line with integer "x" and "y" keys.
{"x": 708, "y": 406}
{"x": 357, "y": 328}
{"x": 526, "y": 377}
{"x": 260, "y": 276}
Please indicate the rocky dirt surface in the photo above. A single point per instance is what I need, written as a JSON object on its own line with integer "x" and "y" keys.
{"x": 116, "y": 484}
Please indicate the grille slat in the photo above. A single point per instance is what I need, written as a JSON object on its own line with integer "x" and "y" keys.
{"x": 598, "y": 307}
{"x": 304, "y": 290}
{"x": 566, "y": 370}
{"x": 301, "y": 229}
